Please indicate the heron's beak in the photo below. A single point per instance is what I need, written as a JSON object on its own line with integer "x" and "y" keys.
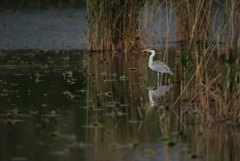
{"x": 145, "y": 50}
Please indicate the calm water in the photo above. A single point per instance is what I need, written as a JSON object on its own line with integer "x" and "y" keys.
{"x": 98, "y": 106}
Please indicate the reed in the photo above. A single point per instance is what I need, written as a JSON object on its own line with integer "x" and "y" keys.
{"x": 192, "y": 19}
{"x": 210, "y": 70}
{"x": 113, "y": 24}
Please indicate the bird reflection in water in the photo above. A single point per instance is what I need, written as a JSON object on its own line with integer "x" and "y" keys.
{"x": 154, "y": 93}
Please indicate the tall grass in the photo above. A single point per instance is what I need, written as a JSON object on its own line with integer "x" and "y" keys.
{"x": 209, "y": 67}
{"x": 113, "y": 24}
{"x": 210, "y": 70}
{"x": 192, "y": 19}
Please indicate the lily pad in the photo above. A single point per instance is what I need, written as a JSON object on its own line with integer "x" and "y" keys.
{"x": 123, "y": 77}
{"x": 133, "y": 69}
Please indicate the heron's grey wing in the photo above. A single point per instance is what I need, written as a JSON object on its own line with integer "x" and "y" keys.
{"x": 161, "y": 90}
{"x": 160, "y": 67}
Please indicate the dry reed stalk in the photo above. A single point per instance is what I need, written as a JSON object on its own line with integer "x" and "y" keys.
{"x": 216, "y": 92}
{"x": 114, "y": 24}
{"x": 214, "y": 86}
{"x": 192, "y": 20}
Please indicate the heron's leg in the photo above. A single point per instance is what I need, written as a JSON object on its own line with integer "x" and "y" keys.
{"x": 161, "y": 79}
{"x": 165, "y": 80}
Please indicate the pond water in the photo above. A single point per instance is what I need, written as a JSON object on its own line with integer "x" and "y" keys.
{"x": 98, "y": 106}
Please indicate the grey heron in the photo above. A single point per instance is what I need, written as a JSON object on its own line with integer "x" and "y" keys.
{"x": 157, "y": 65}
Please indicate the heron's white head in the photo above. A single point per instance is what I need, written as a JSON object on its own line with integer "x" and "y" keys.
{"x": 151, "y": 50}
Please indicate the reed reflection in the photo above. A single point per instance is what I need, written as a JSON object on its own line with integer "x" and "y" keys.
{"x": 118, "y": 121}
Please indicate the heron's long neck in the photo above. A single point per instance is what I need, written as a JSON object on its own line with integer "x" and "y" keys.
{"x": 151, "y": 100}
{"x": 150, "y": 61}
